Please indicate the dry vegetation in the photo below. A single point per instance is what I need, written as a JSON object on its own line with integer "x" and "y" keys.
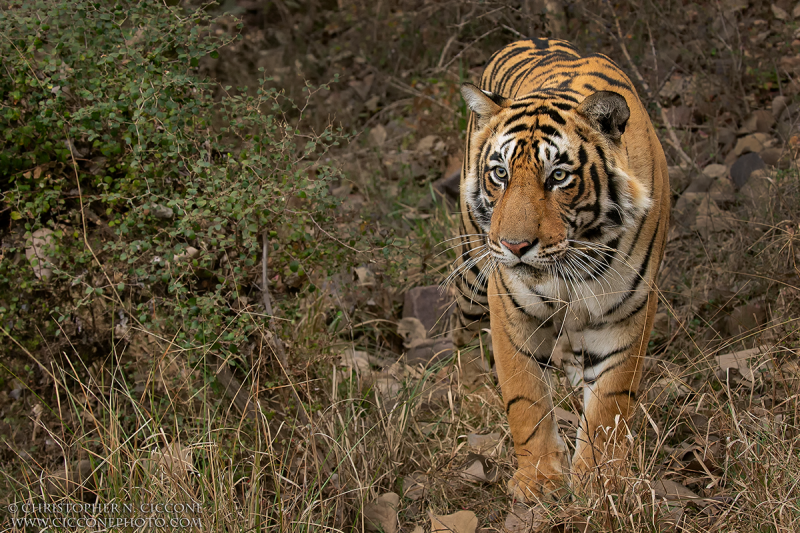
{"x": 715, "y": 443}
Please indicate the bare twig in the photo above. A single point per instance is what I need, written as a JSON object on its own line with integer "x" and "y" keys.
{"x": 280, "y": 351}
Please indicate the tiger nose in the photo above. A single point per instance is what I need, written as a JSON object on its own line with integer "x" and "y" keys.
{"x": 517, "y": 248}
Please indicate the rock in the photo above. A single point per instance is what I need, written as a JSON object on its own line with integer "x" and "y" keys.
{"x": 430, "y": 306}
{"x": 744, "y": 167}
{"x": 715, "y": 171}
{"x": 661, "y": 324}
{"x": 189, "y": 253}
{"x": 764, "y": 120}
{"x": 381, "y": 515}
{"x": 39, "y": 252}
{"x": 430, "y": 144}
{"x": 750, "y": 143}
{"x": 746, "y": 318}
{"x": 429, "y": 351}
{"x": 678, "y": 179}
{"x": 448, "y": 186}
{"x": 796, "y": 11}
{"x": 700, "y": 183}
{"x": 726, "y": 136}
{"x": 756, "y": 191}
{"x": 710, "y": 219}
{"x": 161, "y": 212}
{"x": 377, "y": 136}
{"x": 685, "y": 209}
{"x": 723, "y": 192}
{"x": 780, "y": 103}
{"x": 772, "y": 157}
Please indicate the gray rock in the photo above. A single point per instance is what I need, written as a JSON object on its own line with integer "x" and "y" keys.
{"x": 700, "y": 183}
{"x": 448, "y": 186}
{"x": 744, "y": 166}
{"x": 429, "y": 306}
{"x": 429, "y": 351}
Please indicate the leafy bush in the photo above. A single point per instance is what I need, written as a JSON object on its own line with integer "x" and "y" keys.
{"x": 156, "y": 192}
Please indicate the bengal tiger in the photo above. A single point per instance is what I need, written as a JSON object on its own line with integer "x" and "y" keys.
{"x": 564, "y": 216}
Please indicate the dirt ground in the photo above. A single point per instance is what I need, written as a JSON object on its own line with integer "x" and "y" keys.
{"x": 401, "y": 429}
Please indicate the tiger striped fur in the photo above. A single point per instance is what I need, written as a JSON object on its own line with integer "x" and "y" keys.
{"x": 564, "y": 216}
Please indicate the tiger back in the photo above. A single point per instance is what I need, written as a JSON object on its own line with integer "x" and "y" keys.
{"x": 564, "y": 216}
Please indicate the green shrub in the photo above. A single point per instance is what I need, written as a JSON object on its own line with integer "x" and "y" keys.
{"x": 155, "y": 190}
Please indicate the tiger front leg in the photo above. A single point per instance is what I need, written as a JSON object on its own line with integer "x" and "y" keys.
{"x": 543, "y": 462}
{"x": 613, "y": 359}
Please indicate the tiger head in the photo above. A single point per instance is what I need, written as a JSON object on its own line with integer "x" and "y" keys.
{"x": 546, "y": 173}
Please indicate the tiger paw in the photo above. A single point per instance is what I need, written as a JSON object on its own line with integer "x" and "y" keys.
{"x": 530, "y": 484}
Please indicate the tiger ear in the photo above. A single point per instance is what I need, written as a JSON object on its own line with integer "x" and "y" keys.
{"x": 608, "y": 112}
{"x": 484, "y": 104}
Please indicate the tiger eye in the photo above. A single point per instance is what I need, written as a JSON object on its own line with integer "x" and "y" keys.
{"x": 501, "y": 173}
{"x": 559, "y": 175}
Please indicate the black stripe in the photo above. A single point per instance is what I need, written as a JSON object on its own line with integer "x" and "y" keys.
{"x": 612, "y": 367}
{"x": 629, "y": 393}
{"x": 535, "y": 429}
{"x": 593, "y": 359}
{"x": 517, "y": 399}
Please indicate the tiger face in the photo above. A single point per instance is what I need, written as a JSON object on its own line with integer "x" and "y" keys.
{"x": 548, "y": 174}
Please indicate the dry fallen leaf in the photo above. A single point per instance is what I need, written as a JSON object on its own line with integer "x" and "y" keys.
{"x": 414, "y": 486}
{"x": 738, "y": 361}
{"x": 566, "y": 416}
{"x": 174, "y": 460}
{"x": 377, "y": 136}
{"x": 523, "y": 519}
{"x": 672, "y": 490}
{"x": 381, "y": 515}
{"x": 483, "y": 443}
{"x": 478, "y": 469}
{"x": 460, "y": 522}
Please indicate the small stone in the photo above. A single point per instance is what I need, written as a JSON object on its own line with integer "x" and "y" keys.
{"x": 796, "y": 11}
{"x": 744, "y": 166}
{"x": 429, "y": 351}
{"x": 771, "y": 156}
{"x": 756, "y": 190}
{"x": 750, "y": 143}
{"x": 714, "y": 171}
{"x": 678, "y": 179}
{"x": 700, "y": 183}
{"x": 377, "y": 136}
{"x": 161, "y": 212}
{"x": 779, "y": 105}
{"x": 449, "y": 186}
{"x": 723, "y": 192}
{"x": 764, "y": 120}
